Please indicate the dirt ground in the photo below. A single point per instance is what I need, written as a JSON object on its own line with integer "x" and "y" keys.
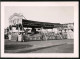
{"x": 65, "y": 48}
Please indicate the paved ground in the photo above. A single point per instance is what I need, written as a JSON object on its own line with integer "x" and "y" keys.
{"x": 50, "y": 46}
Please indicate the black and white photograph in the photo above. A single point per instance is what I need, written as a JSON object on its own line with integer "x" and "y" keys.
{"x": 39, "y": 29}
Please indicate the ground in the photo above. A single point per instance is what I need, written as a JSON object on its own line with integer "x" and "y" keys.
{"x": 66, "y": 48}
{"x": 49, "y": 46}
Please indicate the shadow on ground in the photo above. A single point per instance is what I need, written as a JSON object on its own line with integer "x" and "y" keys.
{"x": 16, "y": 46}
{"x": 32, "y": 50}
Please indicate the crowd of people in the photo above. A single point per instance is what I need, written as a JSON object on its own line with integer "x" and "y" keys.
{"x": 23, "y": 36}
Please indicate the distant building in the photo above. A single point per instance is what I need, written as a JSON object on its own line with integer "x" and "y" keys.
{"x": 71, "y": 26}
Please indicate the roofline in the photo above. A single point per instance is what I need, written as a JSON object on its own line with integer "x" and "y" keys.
{"x": 40, "y": 22}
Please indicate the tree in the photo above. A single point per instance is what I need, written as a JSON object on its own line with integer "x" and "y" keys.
{"x": 7, "y": 29}
{"x": 10, "y": 27}
{"x": 20, "y": 26}
{"x": 17, "y": 26}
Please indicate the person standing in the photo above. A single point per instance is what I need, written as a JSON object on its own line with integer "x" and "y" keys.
{"x": 9, "y": 36}
{"x": 19, "y": 37}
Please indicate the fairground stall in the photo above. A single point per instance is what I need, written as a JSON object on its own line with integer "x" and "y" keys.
{"x": 21, "y": 29}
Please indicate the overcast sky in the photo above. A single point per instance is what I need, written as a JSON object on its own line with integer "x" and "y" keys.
{"x": 57, "y": 14}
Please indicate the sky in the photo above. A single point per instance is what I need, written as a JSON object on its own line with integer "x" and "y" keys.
{"x": 53, "y": 14}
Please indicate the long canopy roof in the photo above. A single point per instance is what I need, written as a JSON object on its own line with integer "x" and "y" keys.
{"x": 37, "y": 24}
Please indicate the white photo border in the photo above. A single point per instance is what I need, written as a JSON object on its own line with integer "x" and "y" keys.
{"x": 75, "y": 4}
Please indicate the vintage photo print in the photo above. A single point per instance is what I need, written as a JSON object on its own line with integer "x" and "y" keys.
{"x": 39, "y": 29}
